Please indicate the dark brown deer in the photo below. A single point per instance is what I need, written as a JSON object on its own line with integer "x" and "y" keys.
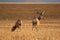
{"x": 17, "y": 25}
{"x": 35, "y": 23}
{"x": 36, "y": 20}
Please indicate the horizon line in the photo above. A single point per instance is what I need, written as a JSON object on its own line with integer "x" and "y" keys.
{"x": 29, "y": 2}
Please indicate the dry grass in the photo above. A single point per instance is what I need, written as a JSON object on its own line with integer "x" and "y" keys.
{"x": 46, "y": 31}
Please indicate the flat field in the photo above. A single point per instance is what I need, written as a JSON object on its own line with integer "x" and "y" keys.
{"x": 49, "y": 28}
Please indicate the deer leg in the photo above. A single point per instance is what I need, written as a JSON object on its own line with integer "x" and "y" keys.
{"x": 20, "y": 27}
{"x": 32, "y": 27}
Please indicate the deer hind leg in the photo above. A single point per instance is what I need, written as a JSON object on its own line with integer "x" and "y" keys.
{"x": 20, "y": 27}
{"x": 32, "y": 27}
{"x": 14, "y": 28}
{"x": 36, "y": 27}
